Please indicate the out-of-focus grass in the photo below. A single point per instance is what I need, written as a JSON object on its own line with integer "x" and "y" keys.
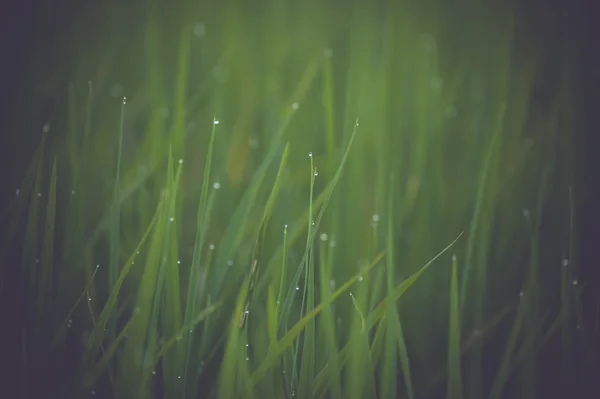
{"x": 235, "y": 231}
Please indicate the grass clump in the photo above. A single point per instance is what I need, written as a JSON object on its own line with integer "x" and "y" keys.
{"x": 180, "y": 243}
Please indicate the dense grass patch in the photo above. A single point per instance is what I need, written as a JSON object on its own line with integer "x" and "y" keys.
{"x": 296, "y": 199}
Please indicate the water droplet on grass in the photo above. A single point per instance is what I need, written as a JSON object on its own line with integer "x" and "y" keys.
{"x": 310, "y": 154}
{"x": 297, "y": 288}
{"x": 253, "y": 143}
{"x": 575, "y": 282}
{"x": 199, "y": 29}
{"x": 217, "y": 185}
{"x": 295, "y": 106}
{"x": 211, "y": 246}
{"x": 375, "y": 218}
{"x": 565, "y": 262}
{"x": 216, "y": 122}
{"x": 17, "y": 191}
{"x": 332, "y": 243}
{"x": 171, "y": 219}
{"x": 360, "y": 278}
{"x": 324, "y": 237}
{"x": 181, "y": 161}
{"x": 521, "y": 294}
{"x": 436, "y": 83}
{"x": 153, "y": 372}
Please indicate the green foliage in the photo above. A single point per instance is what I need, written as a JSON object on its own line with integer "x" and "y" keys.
{"x": 198, "y": 250}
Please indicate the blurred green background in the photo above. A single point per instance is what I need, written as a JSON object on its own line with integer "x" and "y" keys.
{"x": 424, "y": 120}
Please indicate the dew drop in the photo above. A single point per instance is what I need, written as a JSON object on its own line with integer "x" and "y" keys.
{"x": 295, "y": 106}
{"x": 230, "y": 262}
{"x": 199, "y": 29}
{"x": 565, "y": 262}
{"x": 153, "y": 372}
{"x": 332, "y": 243}
{"x": 211, "y": 246}
{"x": 72, "y": 192}
{"x": 216, "y": 122}
{"x": 324, "y": 237}
{"x": 253, "y": 143}
{"x": 171, "y": 219}
{"x": 375, "y": 218}
{"x": 217, "y": 185}
{"x": 179, "y": 262}
{"x": 178, "y": 377}
{"x": 453, "y": 257}
{"x": 39, "y": 194}
{"x": 575, "y": 282}
{"x": 521, "y": 294}
{"x": 435, "y": 83}
{"x": 360, "y": 278}
{"x": 310, "y": 154}
{"x": 17, "y": 191}
{"x": 180, "y": 161}
{"x": 297, "y": 288}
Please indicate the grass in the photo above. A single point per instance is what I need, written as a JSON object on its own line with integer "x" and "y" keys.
{"x": 225, "y": 227}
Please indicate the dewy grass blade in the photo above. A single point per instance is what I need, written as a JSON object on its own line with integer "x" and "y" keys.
{"x": 203, "y": 218}
{"x": 115, "y": 226}
{"x": 290, "y": 296}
